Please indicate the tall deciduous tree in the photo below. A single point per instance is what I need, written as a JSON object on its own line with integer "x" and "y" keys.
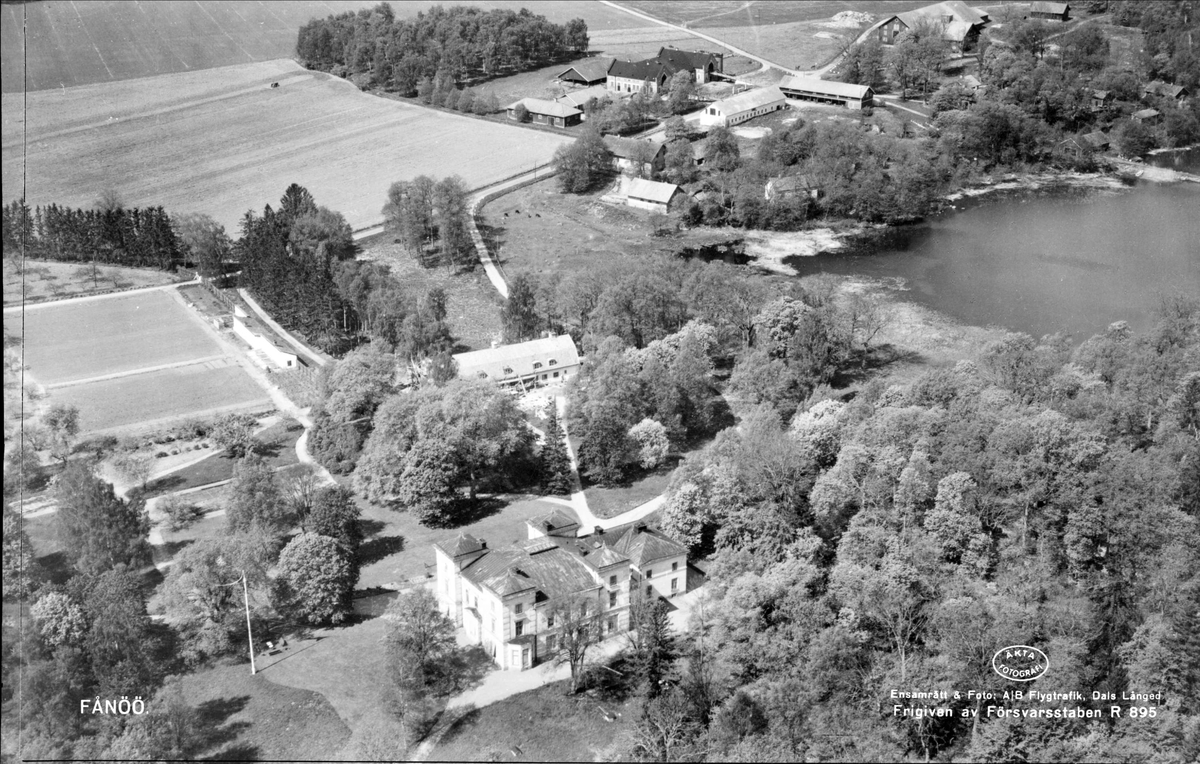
{"x": 62, "y": 423}
{"x": 98, "y": 529}
{"x": 578, "y": 633}
{"x": 583, "y": 164}
{"x": 257, "y": 499}
{"x": 316, "y": 580}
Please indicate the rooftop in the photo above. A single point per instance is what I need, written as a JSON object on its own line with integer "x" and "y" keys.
{"x": 650, "y": 69}
{"x": 591, "y": 70}
{"x": 831, "y": 87}
{"x": 651, "y": 190}
{"x": 1043, "y": 7}
{"x": 511, "y": 362}
{"x": 628, "y": 148}
{"x": 676, "y": 59}
{"x": 549, "y": 108}
{"x": 578, "y": 98}
{"x": 956, "y": 17}
{"x": 750, "y": 99}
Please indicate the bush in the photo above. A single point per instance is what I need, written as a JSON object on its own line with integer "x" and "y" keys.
{"x": 180, "y": 514}
{"x": 160, "y": 455}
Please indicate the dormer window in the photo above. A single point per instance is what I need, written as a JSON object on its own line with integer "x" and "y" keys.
{"x": 508, "y": 370}
{"x": 483, "y": 375}
{"x": 553, "y": 362}
{"x": 537, "y": 365}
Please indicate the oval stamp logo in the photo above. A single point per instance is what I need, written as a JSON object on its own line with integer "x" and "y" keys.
{"x": 1020, "y": 663}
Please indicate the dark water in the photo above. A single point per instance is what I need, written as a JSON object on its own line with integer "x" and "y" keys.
{"x": 1060, "y": 262}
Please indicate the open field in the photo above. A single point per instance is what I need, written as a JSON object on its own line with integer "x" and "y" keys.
{"x": 707, "y": 14}
{"x": 79, "y": 340}
{"x": 223, "y": 141}
{"x": 208, "y": 388}
{"x": 73, "y": 43}
{"x": 41, "y": 279}
{"x": 133, "y": 359}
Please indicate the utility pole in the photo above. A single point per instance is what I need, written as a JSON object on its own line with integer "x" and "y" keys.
{"x": 249, "y": 633}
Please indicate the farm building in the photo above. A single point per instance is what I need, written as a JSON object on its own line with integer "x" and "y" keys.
{"x": 652, "y": 195}
{"x": 702, "y": 63}
{"x": 790, "y": 187}
{"x": 1160, "y": 89}
{"x": 263, "y": 341}
{"x": 579, "y": 98}
{"x": 545, "y": 360}
{"x": 629, "y": 153}
{"x": 508, "y": 600}
{"x": 1101, "y": 100}
{"x": 743, "y": 106}
{"x": 1147, "y": 116}
{"x": 960, "y": 24}
{"x": 547, "y": 112}
{"x": 826, "y": 91}
{"x": 591, "y": 72}
{"x": 1049, "y": 11}
{"x": 633, "y": 76}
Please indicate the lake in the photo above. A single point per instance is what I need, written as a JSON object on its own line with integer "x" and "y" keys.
{"x": 1054, "y": 262}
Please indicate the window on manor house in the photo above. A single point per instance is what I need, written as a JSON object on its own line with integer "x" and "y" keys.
{"x": 649, "y": 573}
{"x": 674, "y": 567}
{"x": 520, "y": 627}
{"x": 649, "y": 591}
{"x": 519, "y": 608}
{"x": 612, "y": 599}
{"x": 612, "y": 580}
{"x": 674, "y": 584}
{"x": 550, "y": 620}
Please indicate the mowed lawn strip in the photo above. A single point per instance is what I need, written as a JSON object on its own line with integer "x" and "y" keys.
{"x": 92, "y": 338}
{"x": 226, "y": 155}
{"x": 210, "y": 388}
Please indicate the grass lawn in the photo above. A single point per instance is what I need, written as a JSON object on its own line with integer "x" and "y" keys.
{"x": 542, "y": 725}
{"x": 609, "y": 502}
{"x": 472, "y": 303}
{"x": 251, "y": 717}
{"x": 278, "y": 449}
{"x": 40, "y": 279}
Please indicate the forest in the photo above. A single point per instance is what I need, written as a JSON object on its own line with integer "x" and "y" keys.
{"x": 107, "y": 235}
{"x": 462, "y": 43}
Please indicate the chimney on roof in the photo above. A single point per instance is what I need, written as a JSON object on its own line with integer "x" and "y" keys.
{"x": 641, "y": 527}
{"x": 597, "y": 530}
{"x": 483, "y": 543}
{"x": 549, "y": 525}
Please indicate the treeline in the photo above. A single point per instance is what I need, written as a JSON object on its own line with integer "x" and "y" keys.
{"x": 462, "y": 42}
{"x": 139, "y": 236}
{"x": 1045, "y": 495}
{"x": 288, "y": 259}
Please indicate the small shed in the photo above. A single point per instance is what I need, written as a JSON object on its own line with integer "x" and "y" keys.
{"x": 1049, "y": 11}
{"x": 593, "y": 71}
{"x": 1147, "y": 116}
{"x": 744, "y": 106}
{"x": 549, "y": 113}
{"x": 652, "y": 195}
{"x": 790, "y": 187}
{"x": 1101, "y": 100}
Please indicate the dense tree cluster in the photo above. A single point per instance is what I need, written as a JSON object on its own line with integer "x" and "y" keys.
{"x": 288, "y": 258}
{"x": 431, "y": 218}
{"x": 138, "y": 236}
{"x": 459, "y": 42}
{"x": 1045, "y": 495}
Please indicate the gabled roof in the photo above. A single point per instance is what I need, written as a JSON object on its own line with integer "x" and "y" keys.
{"x": 1103, "y": 95}
{"x": 792, "y": 183}
{"x": 628, "y": 148}
{"x": 642, "y": 544}
{"x": 578, "y": 98}
{"x": 511, "y": 362}
{"x": 1042, "y": 7}
{"x": 1146, "y": 114}
{"x": 589, "y": 71}
{"x": 1096, "y": 139}
{"x": 751, "y": 99}
{"x": 676, "y": 59}
{"x": 956, "y": 17}
{"x": 463, "y": 543}
{"x": 1167, "y": 90}
{"x": 554, "y": 522}
{"x": 832, "y": 87}
{"x": 549, "y": 108}
{"x": 650, "y": 69}
{"x": 652, "y": 191}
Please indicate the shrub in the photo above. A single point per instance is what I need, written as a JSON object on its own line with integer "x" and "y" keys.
{"x": 160, "y": 455}
{"x": 180, "y": 514}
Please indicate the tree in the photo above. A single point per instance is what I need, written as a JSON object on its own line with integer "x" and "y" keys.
{"x": 235, "y": 434}
{"x": 60, "y": 620}
{"x": 583, "y": 163}
{"x": 256, "y": 499}
{"x": 676, "y": 129}
{"x": 204, "y": 241}
{"x": 740, "y": 717}
{"x": 577, "y": 36}
{"x": 121, "y": 644}
{"x": 519, "y": 316}
{"x": 605, "y": 448}
{"x": 651, "y": 439}
{"x": 578, "y": 633}
{"x": 680, "y": 163}
{"x": 680, "y": 90}
{"x": 316, "y": 580}
{"x": 723, "y": 152}
{"x": 133, "y": 467}
{"x": 180, "y": 513}
{"x": 555, "y": 460}
{"x": 520, "y": 113}
{"x": 109, "y": 201}
{"x": 423, "y": 659}
{"x": 654, "y": 647}
{"x": 334, "y": 514}
{"x": 21, "y": 571}
{"x": 98, "y": 529}
{"x": 62, "y": 424}
{"x": 664, "y": 726}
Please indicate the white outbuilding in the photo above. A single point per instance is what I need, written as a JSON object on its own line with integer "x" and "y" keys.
{"x": 744, "y": 106}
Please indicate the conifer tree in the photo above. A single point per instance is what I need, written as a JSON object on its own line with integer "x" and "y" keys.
{"x": 555, "y": 461}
